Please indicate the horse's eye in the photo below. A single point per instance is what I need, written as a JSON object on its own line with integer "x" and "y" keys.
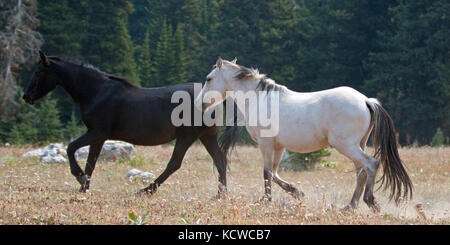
{"x": 208, "y": 79}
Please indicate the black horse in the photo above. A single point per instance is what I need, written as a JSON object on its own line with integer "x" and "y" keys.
{"x": 114, "y": 108}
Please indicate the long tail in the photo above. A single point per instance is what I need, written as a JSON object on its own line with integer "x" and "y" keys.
{"x": 385, "y": 144}
{"x": 228, "y": 139}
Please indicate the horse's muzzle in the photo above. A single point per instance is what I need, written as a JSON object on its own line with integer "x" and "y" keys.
{"x": 28, "y": 99}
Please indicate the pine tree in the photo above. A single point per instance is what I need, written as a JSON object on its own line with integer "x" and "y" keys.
{"x": 107, "y": 43}
{"x": 165, "y": 57}
{"x": 408, "y": 72}
{"x": 49, "y": 126}
{"x": 180, "y": 58}
{"x": 60, "y": 28}
{"x": 281, "y": 42}
{"x": 145, "y": 66}
{"x": 23, "y": 127}
{"x": 438, "y": 138}
{"x": 18, "y": 42}
{"x": 73, "y": 128}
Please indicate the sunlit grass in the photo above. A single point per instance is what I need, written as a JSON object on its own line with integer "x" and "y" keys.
{"x": 38, "y": 193}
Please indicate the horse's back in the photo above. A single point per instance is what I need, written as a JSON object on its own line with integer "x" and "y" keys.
{"x": 311, "y": 119}
{"x": 143, "y": 115}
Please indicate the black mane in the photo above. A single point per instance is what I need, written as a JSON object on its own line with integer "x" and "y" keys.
{"x": 76, "y": 62}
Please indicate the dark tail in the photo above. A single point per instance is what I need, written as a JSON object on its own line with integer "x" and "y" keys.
{"x": 228, "y": 139}
{"x": 385, "y": 144}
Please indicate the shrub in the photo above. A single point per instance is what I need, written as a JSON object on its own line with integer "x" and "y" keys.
{"x": 307, "y": 160}
{"x": 438, "y": 138}
{"x": 73, "y": 128}
{"x": 49, "y": 126}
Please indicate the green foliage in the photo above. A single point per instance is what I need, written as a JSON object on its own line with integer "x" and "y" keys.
{"x": 107, "y": 43}
{"x": 395, "y": 51}
{"x": 136, "y": 219}
{"x": 145, "y": 66}
{"x": 329, "y": 164}
{"x": 309, "y": 160}
{"x": 409, "y": 72}
{"x": 180, "y": 57}
{"x": 438, "y": 138}
{"x": 38, "y": 124}
{"x": 48, "y": 125}
{"x": 23, "y": 127}
{"x": 60, "y": 26}
{"x": 73, "y": 128}
{"x": 137, "y": 161}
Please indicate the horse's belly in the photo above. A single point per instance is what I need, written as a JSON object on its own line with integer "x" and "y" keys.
{"x": 144, "y": 132}
{"x": 302, "y": 129}
{"x": 302, "y": 141}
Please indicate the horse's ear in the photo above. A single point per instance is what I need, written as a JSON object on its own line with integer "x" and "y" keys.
{"x": 234, "y": 61}
{"x": 44, "y": 58}
{"x": 219, "y": 62}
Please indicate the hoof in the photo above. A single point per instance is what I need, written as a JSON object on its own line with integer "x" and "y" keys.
{"x": 348, "y": 209}
{"x": 144, "y": 191}
{"x": 375, "y": 207}
{"x": 150, "y": 190}
{"x": 372, "y": 204}
{"x": 221, "y": 195}
{"x": 84, "y": 189}
{"x": 84, "y": 182}
{"x": 298, "y": 194}
{"x": 265, "y": 199}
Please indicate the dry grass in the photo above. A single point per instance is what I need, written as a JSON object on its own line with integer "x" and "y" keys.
{"x": 37, "y": 193}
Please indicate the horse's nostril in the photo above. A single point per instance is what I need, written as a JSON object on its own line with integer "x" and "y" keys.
{"x": 27, "y": 98}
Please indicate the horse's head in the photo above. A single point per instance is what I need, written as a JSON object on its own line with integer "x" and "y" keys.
{"x": 42, "y": 81}
{"x": 218, "y": 82}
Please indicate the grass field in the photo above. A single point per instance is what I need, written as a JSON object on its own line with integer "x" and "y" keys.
{"x": 38, "y": 193}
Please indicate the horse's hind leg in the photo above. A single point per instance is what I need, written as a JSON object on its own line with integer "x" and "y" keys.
{"x": 367, "y": 175}
{"x": 290, "y": 188}
{"x": 181, "y": 146}
{"x": 219, "y": 158}
{"x": 368, "y": 198}
{"x": 361, "y": 178}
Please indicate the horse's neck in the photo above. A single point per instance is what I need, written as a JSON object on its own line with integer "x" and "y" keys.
{"x": 245, "y": 87}
{"x": 76, "y": 83}
{"x": 256, "y": 99}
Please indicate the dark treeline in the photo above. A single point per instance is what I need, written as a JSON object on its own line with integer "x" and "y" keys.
{"x": 396, "y": 51}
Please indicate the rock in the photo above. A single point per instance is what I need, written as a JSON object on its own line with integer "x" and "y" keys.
{"x": 111, "y": 151}
{"x": 132, "y": 173}
{"x": 56, "y": 152}
{"x": 146, "y": 175}
{"x": 53, "y": 153}
{"x": 138, "y": 173}
{"x": 53, "y": 159}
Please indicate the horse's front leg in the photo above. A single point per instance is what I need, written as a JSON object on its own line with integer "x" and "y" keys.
{"x": 267, "y": 185}
{"x": 289, "y": 187}
{"x": 267, "y": 151}
{"x": 86, "y": 139}
{"x": 94, "y": 152}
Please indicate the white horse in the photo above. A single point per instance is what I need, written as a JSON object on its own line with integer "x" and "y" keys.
{"x": 341, "y": 117}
